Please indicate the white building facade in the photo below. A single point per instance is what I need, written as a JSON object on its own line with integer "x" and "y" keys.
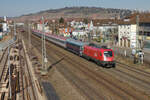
{"x": 40, "y": 28}
{"x": 5, "y": 27}
{"x": 127, "y": 35}
{"x": 78, "y": 25}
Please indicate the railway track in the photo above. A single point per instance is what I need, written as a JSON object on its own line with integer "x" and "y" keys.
{"x": 8, "y": 88}
{"x": 2, "y": 57}
{"x": 135, "y": 77}
{"x": 3, "y": 62}
{"x": 10, "y": 76}
{"x": 133, "y": 69}
{"x": 77, "y": 82}
{"x": 119, "y": 89}
{"x": 18, "y": 84}
{"x": 4, "y": 71}
{"x": 22, "y": 85}
{"x": 26, "y": 78}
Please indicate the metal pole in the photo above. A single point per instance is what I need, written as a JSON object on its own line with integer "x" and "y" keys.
{"x": 137, "y": 33}
{"x": 45, "y": 56}
{"x": 15, "y": 30}
{"x": 10, "y": 91}
{"x": 42, "y": 42}
{"x": 29, "y": 31}
{"x": 104, "y": 34}
{"x": 44, "y": 59}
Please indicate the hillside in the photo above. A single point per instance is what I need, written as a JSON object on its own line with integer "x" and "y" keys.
{"x": 78, "y": 12}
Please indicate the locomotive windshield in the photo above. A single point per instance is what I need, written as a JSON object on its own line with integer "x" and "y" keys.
{"x": 108, "y": 53}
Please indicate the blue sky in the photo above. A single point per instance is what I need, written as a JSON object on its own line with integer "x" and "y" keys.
{"x": 19, "y": 7}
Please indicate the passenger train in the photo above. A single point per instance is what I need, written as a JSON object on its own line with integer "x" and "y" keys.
{"x": 101, "y": 55}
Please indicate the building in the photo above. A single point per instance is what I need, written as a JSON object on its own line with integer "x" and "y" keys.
{"x": 79, "y": 33}
{"x": 127, "y": 35}
{"x": 134, "y": 30}
{"x": 107, "y": 29}
{"x": 78, "y": 25}
{"x": 40, "y": 27}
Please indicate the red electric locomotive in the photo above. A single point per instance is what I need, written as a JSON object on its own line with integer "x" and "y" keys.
{"x": 101, "y": 55}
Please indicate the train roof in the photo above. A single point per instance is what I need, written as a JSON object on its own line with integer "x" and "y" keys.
{"x": 51, "y": 35}
{"x": 98, "y": 46}
{"x": 76, "y": 42}
{"x": 57, "y": 37}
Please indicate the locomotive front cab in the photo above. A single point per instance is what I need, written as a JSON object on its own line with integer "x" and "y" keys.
{"x": 108, "y": 58}
{"x": 108, "y": 55}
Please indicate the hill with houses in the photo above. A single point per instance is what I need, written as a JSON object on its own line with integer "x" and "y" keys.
{"x": 78, "y": 12}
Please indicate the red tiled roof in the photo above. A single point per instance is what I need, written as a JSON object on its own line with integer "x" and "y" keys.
{"x": 143, "y": 18}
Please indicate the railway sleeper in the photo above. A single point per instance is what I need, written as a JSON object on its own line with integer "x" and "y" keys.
{"x": 39, "y": 86}
{"x": 34, "y": 62}
{"x": 34, "y": 58}
{"x": 13, "y": 86}
{"x": 5, "y": 71}
{"x": 2, "y": 83}
{"x": 6, "y": 77}
{"x": 3, "y": 96}
{"x": 18, "y": 83}
{"x": 3, "y": 86}
{"x": 7, "y": 84}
